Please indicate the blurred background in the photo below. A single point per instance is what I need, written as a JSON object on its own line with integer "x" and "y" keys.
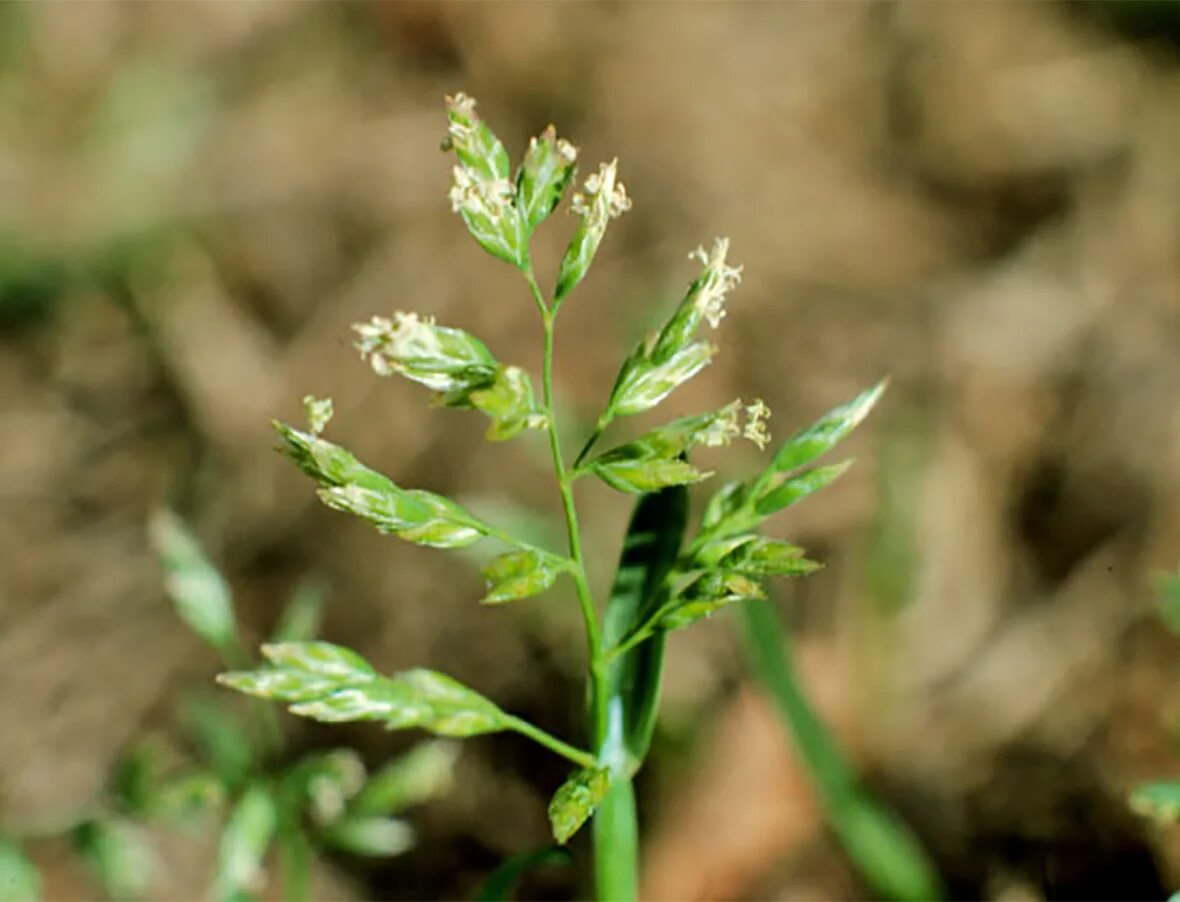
{"x": 980, "y": 200}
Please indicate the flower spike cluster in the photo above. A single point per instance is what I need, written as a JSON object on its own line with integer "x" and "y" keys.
{"x": 718, "y": 279}
{"x": 755, "y": 430}
{"x": 603, "y": 198}
{"x": 470, "y": 194}
{"x": 456, "y": 365}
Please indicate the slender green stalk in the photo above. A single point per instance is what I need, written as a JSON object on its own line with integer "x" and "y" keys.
{"x": 615, "y": 826}
{"x": 567, "y": 495}
{"x": 599, "y": 428}
{"x": 617, "y": 651}
{"x": 577, "y": 756}
{"x": 616, "y": 844}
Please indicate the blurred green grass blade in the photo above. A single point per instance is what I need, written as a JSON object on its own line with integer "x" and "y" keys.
{"x": 504, "y": 879}
{"x": 370, "y": 836}
{"x": 244, "y": 843}
{"x": 888, "y": 855}
{"x": 1159, "y": 800}
{"x": 198, "y": 591}
{"x": 652, "y": 542}
{"x": 295, "y": 859}
{"x": 118, "y": 853}
{"x": 19, "y": 879}
{"x": 423, "y": 773}
{"x": 1168, "y": 588}
{"x": 301, "y": 617}
{"x": 220, "y": 736}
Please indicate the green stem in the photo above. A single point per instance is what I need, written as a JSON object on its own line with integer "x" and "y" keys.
{"x": 616, "y": 844}
{"x": 567, "y": 496}
{"x": 551, "y": 742}
{"x": 599, "y": 428}
{"x": 615, "y": 827}
{"x": 639, "y": 636}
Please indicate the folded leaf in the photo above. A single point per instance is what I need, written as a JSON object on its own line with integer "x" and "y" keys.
{"x": 349, "y": 486}
{"x": 725, "y": 502}
{"x": 575, "y": 801}
{"x": 508, "y": 400}
{"x": 708, "y": 594}
{"x": 644, "y": 382}
{"x": 320, "y": 658}
{"x": 332, "y": 684}
{"x": 520, "y": 574}
{"x": 768, "y": 557}
{"x": 822, "y": 435}
{"x": 657, "y": 459}
{"x": 796, "y": 488}
{"x": 637, "y": 477}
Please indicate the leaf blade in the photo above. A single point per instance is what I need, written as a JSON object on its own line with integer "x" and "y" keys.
{"x": 575, "y": 800}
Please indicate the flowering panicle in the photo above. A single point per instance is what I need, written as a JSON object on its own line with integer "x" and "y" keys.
{"x": 601, "y": 199}
{"x": 718, "y": 279}
{"x": 477, "y": 197}
{"x": 481, "y": 192}
{"x": 461, "y": 122}
{"x": 438, "y": 357}
{"x": 544, "y": 174}
{"x": 671, "y": 357}
{"x": 755, "y": 429}
{"x": 665, "y": 580}
{"x": 453, "y": 363}
{"x": 319, "y": 413}
{"x": 659, "y": 458}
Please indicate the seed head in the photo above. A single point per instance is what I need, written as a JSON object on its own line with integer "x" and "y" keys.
{"x": 755, "y": 429}
{"x": 319, "y": 412}
{"x": 718, "y": 279}
{"x": 478, "y": 196}
{"x": 566, "y": 151}
{"x": 723, "y": 429}
{"x": 462, "y": 119}
{"x": 602, "y": 198}
{"x": 386, "y": 343}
